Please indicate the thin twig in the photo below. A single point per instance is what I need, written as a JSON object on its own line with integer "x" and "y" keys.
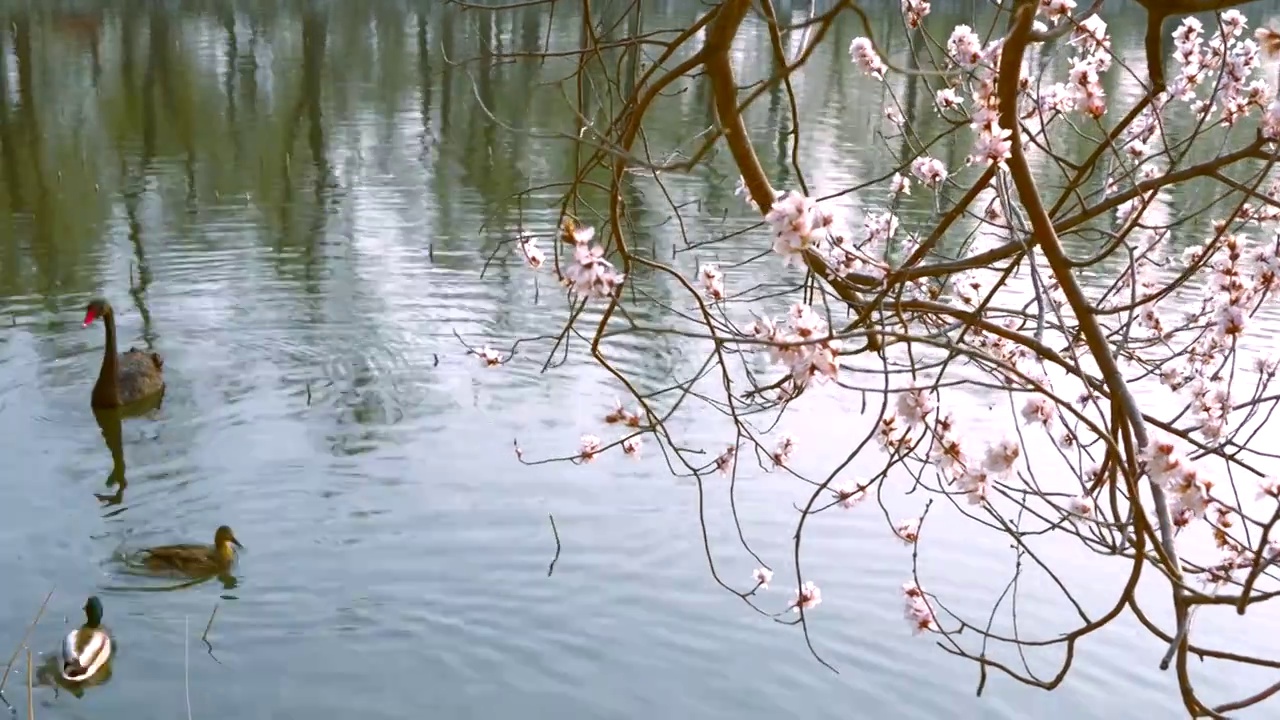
{"x": 23, "y": 643}
{"x": 551, "y": 568}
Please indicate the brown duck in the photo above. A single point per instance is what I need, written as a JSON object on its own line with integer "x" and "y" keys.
{"x": 194, "y": 560}
{"x": 125, "y": 378}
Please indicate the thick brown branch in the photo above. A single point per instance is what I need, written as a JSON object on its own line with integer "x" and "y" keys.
{"x": 1047, "y": 238}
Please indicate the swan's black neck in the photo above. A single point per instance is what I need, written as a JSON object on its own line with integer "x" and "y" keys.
{"x": 106, "y": 392}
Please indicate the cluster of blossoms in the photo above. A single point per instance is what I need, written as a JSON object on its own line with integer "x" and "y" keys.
{"x": 1239, "y": 278}
{"x": 1081, "y": 507}
{"x": 1083, "y": 91}
{"x": 726, "y": 460}
{"x": 1057, "y": 10}
{"x": 620, "y": 414}
{"x": 1189, "y": 492}
{"x": 782, "y": 454}
{"x": 590, "y": 446}
{"x": 801, "y": 224}
{"x": 802, "y": 343}
{"x": 1234, "y": 555}
{"x": 488, "y": 356}
{"x": 917, "y": 610}
{"x": 979, "y": 67}
{"x": 1227, "y": 52}
{"x": 808, "y": 596}
{"x": 712, "y": 281}
{"x": 529, "y": 250}
{"x": 972, "y": 476}
{"x": 915, "y": 11}
{"x": 848, "y": 494}
{"x": 763, "y": 576}
{"x": 590, "y": 274}
{"x": 864, "y": 55}
{"x": 981, "y": 64}
{"x": 908, "y": 531}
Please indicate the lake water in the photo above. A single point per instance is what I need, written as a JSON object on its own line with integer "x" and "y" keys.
{"x": 294, "y": 205}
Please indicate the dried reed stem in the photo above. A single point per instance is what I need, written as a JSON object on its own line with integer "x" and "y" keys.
{"x": 31, "y": 706}
{"x": 23, "y": 642}
{"x": 186, "y": 660}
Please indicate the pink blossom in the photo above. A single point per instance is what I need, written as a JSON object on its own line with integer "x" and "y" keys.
{"x": 712, "y": 281}
{"x": 762, "y": 576}
{"x": 725, "y": 461}
{"x": 992, "y": 146}
{"x": 914, "y": 405}
{"x": 908, "y": 531}
{"x": 947, "y": 99}
{"x": 1057, "y": 9}
{"x": 590, "y": 274}
{"x": 1039, "y": 409}
{"x": 620, "y": 414}
{"x": 782, "y": 455}
{"x": 1081, "y": 505}
{"x": 917, "y": 611}
{"x": 488, "y": 356}
{"x": 864, "y": 55}
{"x": 914, "y": 11}
{"x": 533, "y": 255}
{"x": 807, "y": 597}
{"x": 930, "y": 171}
{"x": 964, "y": 46}
{"x": 1002, "y": 456}
{"x": 589, "y": 448}
{"x": 848, "y": 494}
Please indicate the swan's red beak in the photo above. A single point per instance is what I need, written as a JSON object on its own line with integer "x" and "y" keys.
{"x": 89, "y": 317}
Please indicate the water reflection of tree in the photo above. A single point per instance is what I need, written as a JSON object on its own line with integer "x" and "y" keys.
{"x": 8, "y": 146}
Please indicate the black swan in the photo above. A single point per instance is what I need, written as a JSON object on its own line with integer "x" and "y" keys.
{"x": 125, "y": 378}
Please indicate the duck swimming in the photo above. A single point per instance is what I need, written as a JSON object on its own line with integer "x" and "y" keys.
{"x": 195, "y": 560}
{"x": 86, "y": 649}
{"x": 125, "y": 378}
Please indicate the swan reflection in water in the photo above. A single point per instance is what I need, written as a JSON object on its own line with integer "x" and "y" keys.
{"x": 111, "y": 424}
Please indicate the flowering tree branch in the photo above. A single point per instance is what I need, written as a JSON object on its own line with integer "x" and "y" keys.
{"x": 1135, "y": 405}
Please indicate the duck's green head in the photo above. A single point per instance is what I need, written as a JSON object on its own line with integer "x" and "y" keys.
{"x": 93, "y": 611}
{"x": 225, "y": 537}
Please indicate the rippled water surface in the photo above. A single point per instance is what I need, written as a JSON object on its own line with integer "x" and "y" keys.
{"x": 293, "y": 205}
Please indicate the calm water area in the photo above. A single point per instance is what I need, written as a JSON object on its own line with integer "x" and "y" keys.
{"x": 293, "y": 203}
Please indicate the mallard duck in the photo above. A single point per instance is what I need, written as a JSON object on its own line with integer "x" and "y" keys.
{"x": 197, "y": 560}
{"x": 125, "y": 378}
{"x": 87, "y": 648}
